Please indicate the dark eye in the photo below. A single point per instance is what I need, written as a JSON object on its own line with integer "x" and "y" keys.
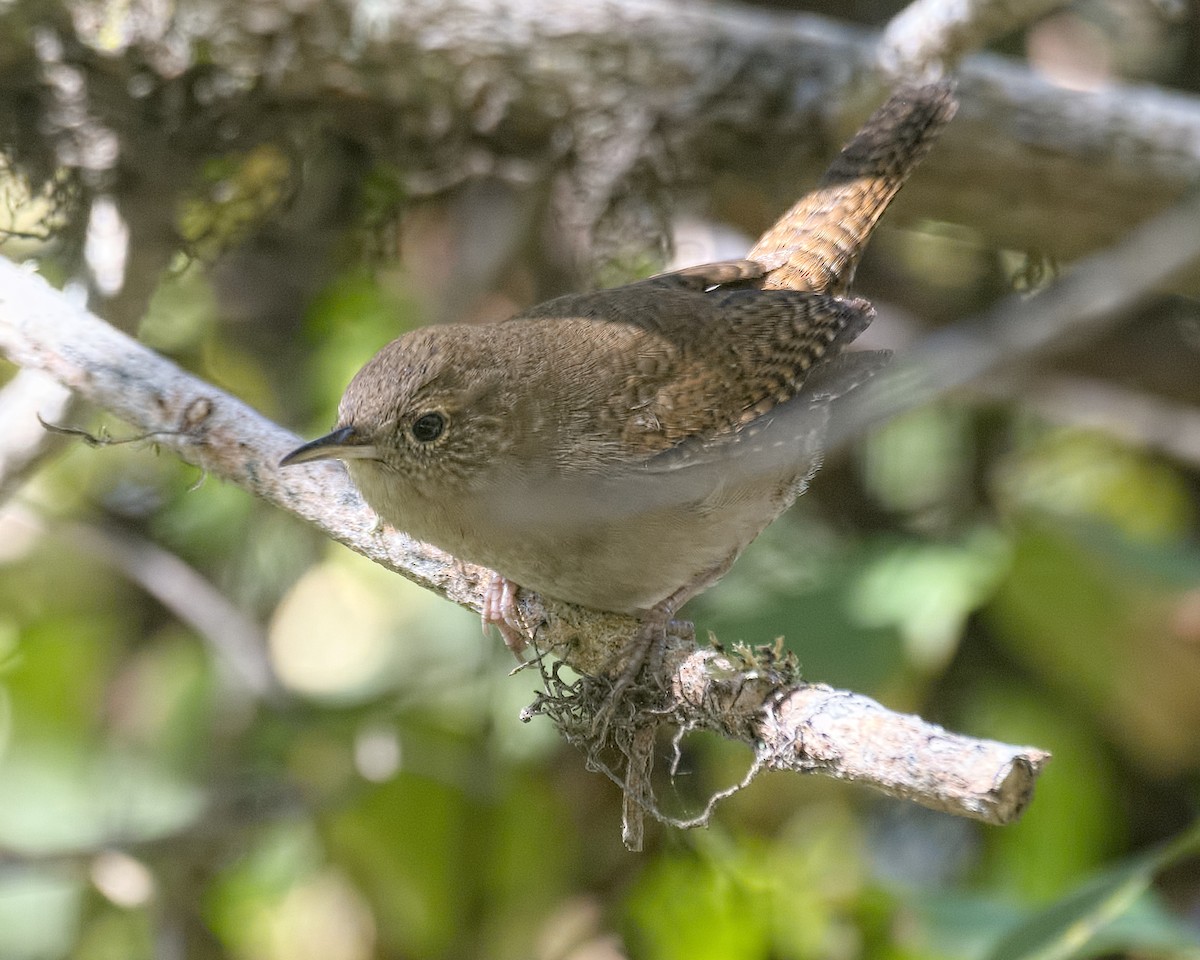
{"x": 428, "y": 426}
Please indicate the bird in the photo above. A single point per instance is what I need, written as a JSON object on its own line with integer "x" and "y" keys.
{"x": 619, "y": 449}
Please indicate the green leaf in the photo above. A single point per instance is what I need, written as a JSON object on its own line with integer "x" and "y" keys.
{"x": 40, "y": 911}
{"x": 1072, "y": 925}
{"x": 688, "y": 908}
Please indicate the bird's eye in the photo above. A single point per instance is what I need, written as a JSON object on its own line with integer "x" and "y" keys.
{"x": 428, "y": 426}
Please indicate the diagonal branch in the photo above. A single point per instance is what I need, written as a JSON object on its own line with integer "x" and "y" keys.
{"x": 1088, "y": 298}
{"x": 793, "y": 726}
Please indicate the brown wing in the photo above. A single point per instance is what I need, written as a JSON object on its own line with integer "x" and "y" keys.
{"x": 708, "y": 372}
{"x": 683, "y": 358}
{"x": 791, "y": 434}
{"x": 665, "y": 391}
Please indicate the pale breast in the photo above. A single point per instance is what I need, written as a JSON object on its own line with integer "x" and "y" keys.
{"x": 626, "y": 563}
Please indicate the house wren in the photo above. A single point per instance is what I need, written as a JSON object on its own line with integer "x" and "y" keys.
{"x": 619, "y": 449}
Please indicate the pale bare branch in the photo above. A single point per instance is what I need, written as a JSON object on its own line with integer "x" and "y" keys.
{"x": 793, "y": 724}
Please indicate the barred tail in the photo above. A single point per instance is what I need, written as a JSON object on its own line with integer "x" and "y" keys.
{"x": 816, "y": 245}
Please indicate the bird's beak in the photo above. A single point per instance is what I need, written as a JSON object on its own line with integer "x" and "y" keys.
{"x": 342, "y": 444}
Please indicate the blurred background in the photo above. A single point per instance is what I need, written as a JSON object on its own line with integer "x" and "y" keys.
{"x": 223, "y": 736}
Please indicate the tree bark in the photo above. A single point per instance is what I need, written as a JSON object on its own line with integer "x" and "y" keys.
{"x": 616, "y": 101}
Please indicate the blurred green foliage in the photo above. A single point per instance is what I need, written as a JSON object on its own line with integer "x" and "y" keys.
{"x": 388, "y": 803}
{"x": 1000, "y": 574}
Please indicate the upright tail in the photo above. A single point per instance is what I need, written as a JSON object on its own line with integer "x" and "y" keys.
{"x": 816, "y": 245}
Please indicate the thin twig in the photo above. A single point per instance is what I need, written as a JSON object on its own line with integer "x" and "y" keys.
{"x": 27, "y": 400}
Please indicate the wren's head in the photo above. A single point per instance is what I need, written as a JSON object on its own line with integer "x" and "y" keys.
{"x": 423, "y": 418}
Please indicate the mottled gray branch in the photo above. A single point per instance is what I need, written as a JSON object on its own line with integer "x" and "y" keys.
{"x": 25, "y": 449}
{"x": 813, "y": 728}
{"x": 798, "y": 727}
{"x": 41, "y": 329}
{"x": 609, "y": 99}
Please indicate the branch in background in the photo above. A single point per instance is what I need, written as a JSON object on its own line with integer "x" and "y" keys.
{"x": 237, "y": 643}
{"x": 1022, "y": 329}
{"x": 711, "y": 88}
{"x": 24, "y": 447}
{"x": 800, "y": 727}
{"x": 931, "y": 34}
{"x": 1137, "y": 418}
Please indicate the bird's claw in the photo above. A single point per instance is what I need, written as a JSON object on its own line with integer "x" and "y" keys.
{"x": 500, "y": 610}
{"x": 644, "y": 650}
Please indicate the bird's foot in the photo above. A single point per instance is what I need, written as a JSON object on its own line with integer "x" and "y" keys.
{"x": 500, "y": 610}
{"x": 644, "y": 651}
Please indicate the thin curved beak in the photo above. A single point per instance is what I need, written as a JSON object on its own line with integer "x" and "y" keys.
{"x": 342, "y": 444}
